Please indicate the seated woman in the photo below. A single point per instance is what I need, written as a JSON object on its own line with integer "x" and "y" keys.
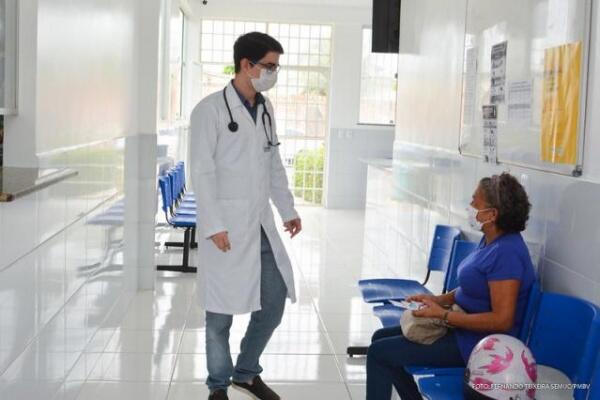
{"x": 493, "y": 287}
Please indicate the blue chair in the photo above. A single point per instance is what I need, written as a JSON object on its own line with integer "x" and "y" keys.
{"x": 180, "y": 205}
{"x": 181, "y": 196}
{"x": 573, "y": 326}
{"x": 595, "y": 384}
{"x": 184, "y": 195}
{"x": 533, "y": 304}
{"x": 177, "y": 187}
{"x": 390, "y": 314}
{"x": 188, "y": 194}
{"x": 565, "y": 335}
{"x": 383, "y": 290}
{"x": 461, "y": 250}
{"x": 187, "y": 222}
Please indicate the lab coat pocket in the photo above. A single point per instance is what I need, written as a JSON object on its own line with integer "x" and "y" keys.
{"x": 235, "y": 217}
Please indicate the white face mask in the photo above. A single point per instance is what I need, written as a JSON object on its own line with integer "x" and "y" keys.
{"x": 265, "y": 82}
{"x": 473, "y": 212}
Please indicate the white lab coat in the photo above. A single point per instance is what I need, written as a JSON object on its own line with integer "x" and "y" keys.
{"x": 233, "y": 180}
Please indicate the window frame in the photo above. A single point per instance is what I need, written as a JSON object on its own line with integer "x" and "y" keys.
{"x": 360, "y": 122}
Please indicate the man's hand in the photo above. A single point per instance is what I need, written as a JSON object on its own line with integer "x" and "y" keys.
{"x": 293, "y": 227}
{"x": 221, "y": 240}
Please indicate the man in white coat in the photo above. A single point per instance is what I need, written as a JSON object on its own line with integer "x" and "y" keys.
{"x": 236, "y": 168}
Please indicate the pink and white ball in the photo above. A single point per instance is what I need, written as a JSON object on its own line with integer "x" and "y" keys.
{"x": 501, "y": 367}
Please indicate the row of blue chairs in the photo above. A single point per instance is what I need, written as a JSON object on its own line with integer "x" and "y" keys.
{"x": 563, "y": 332}
{"x": 179, "y": 207}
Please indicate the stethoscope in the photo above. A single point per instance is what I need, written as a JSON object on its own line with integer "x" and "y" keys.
{"x": 233, "y": 126}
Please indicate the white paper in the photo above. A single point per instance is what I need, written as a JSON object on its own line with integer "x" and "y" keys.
{"x": 409, "y": 305}
{"x": 490, "y": 133}
{"x": 519, "y": 102}
{"x": 470, "y": 86}
{"x": 498, "y": 73}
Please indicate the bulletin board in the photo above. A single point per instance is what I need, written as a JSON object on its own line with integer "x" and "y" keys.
{"x": 524, "y": 83}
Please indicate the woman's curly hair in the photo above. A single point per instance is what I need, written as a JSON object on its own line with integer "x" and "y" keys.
{"x": 505, "y": 193}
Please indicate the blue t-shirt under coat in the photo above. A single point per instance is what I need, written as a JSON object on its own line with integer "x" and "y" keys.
{"x": 507, "y": 257}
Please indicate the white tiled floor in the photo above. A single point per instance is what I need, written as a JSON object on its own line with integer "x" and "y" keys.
{"x": 157, "y": 350}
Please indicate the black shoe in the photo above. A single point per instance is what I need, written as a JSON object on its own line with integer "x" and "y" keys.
{"x": 257, "y": 390}
{"x": 218, "y": 394}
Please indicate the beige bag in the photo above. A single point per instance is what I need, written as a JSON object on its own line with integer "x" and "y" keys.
{"x": 424, "y": 330}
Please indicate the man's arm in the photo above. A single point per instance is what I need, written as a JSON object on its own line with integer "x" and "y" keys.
{"x": 203, "y": 144}
{"x": 279, "y": 191}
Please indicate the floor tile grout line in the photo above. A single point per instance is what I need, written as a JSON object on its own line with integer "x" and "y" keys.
{"x": 326, "y": 332}
{"x": 180, "y": 343}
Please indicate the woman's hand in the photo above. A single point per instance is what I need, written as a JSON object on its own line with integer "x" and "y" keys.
{"x": 421, "y": 297}
{"x": 430, "y": 309}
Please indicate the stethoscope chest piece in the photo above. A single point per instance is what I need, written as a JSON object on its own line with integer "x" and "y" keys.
{"x": 266, "y": 117}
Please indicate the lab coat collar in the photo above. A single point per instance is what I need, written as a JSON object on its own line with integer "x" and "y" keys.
{"x": 235, "y": 102}
{"x": 232, "y": 96}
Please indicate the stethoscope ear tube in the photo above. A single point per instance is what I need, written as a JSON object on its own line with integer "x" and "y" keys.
{"x": 269, "y": 139}
{"x": 233, "y": 126}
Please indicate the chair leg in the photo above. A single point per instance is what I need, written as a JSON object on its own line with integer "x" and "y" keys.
{"x": 357, "y": 351}
{"x": 185, "y": 266}
{"x": 193, "y": 243}
{"x": 174, "y": 244}
{"x": 186, "y": 249}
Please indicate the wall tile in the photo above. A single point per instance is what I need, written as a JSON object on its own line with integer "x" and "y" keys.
{"x": 19, "y": 318}
{"x": 18, "y": 229}
{"x": 346, "y": 173}
{"x": 558, "y": 278}
{"x": 51, "y": 213}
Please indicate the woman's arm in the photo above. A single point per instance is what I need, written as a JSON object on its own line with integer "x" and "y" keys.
{"x": 446, "y": 299}
{"x": 503, "y": 295}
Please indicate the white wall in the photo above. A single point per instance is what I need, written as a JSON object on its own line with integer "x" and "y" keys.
{"x": 348, "y": 142}
{"x": 434, "y": 183}
{"x": 348, "y": 155}
{"x": 343, "y": 150}
{"x": 62, "y": 274}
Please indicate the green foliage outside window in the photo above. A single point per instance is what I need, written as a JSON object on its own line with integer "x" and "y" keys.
{"x": 229, "y": 70}
{"x": 308, "y": 174}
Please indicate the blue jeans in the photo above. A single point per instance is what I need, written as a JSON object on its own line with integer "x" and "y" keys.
{"x": 273, "y": 293}
{"x": 390, "y": 352}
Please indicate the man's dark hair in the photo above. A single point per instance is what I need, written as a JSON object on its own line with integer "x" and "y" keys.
{"x": 254, "y": 46}
{"x": 505, "y": 193}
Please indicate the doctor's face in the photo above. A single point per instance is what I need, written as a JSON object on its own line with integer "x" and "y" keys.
{"x": 270, "y": 63}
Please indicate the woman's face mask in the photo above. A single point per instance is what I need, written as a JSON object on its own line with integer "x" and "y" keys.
{"x": 473, "y": 221}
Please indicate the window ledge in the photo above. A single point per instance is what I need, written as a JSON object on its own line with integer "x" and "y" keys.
{"x": 17, "y": 182}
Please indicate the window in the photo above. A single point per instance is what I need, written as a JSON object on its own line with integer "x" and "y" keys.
{"x": 8, "y": 56}
{"x": 1, "y": 140}
{"x": 300, "y": 97}
{"x": 176, "y": 66}
{"x": 378, "y": 84}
